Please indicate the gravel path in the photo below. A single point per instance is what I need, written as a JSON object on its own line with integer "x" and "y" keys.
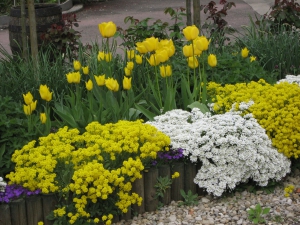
{"x": 230, "y": 210}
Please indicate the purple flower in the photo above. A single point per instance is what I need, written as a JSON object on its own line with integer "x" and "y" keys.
{"x": 169, "y": 156}
{"x": 14, "y": 191}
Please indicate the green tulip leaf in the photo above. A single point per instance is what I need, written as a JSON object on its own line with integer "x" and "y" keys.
{"x": 203, "y": 108}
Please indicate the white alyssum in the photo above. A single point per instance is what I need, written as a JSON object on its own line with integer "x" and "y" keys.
{"x": 231, "y": 148}
{"x": 2, "y": 185}
{"x": 291, "y": 79}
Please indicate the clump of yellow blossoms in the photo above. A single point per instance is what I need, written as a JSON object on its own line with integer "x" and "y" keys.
{"x": 276, "y": 108}
{"x": 97, "y": 167}
{"x": 288, "y": 190}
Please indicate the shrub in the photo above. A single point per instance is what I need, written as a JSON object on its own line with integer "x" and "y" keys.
{"x": 230, "y": 148}
{"x": 92, "y": 172}
{"x": 276, "y": 108}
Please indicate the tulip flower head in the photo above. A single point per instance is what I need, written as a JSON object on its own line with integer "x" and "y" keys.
{"x": 188, "y": 50}
{"x": 130, "y": 54}
{"x": 191, "y": 32}
{"x": 43, "y": 118}
{"x": 152, "y": 60}
{"x": 77, "y": 65}
{"x": 101, "y": 56}
{"x": 141, "y": 48}
{"x": 73, "y": 77}
{"x": 89, "y": 85}
{"x": 165, "y": 71}
{"x": 151, "y": 44}
{"x": 193, "y": 62}
{"x": 252, "y": 58}
{"x": 112, "y": 84}
{"x": 130, "y": 65}
{"x": 85, "y": 70}
{"x": 100, "y": 80}
{"x": 162, "y": 55}
{"x": 212, "y": 60}
{"x": 28, "y": 98}
{"x": 127, "y": 83}
{"x": 245, "y": 52}
{"x": 107, "y": 29}
{"x": 201, "y": 43}
{"x": 108, "y": 57}
{"x": 138, "y": 59}
{"x": 26, "y": 109}
{"x": 45, "y": 93}
{"x": 127, "y": 71}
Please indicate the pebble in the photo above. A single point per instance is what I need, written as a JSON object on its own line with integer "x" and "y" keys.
{"x": 229, "y": 210}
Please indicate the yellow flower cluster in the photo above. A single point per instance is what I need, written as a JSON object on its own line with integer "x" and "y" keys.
{"x": 288, "y": 190}
{"x": 102, "y": 163}
{"x": 175, "y": 175}
{"x": 276, "y": 108}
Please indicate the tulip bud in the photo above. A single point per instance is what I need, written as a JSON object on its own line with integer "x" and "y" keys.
{"x": 28, "y": 98}
{"x": 45, "y": 93}
{"x": 193, "y": 62}
{"x": 107, "y": 29}
{"x": 101, "y": 56}
{"x": 100, "y": 80}
{"x": 152, "y": 60}
{"x": 127, "y": 71}
{"x": 108, "y": 57}
{"x": 43, "y": 117}
{"x": 188, "y": 50}
{"x": 85, "y": 70}
{"x": 165, "y": 71}
{"x": 89, "y": 85}
{"x": 245, "y": 52}
{"x": 127, "y": 83}
{"x": 27, "y": 110}
{"x": 130, "y": 54}
{"x": 190, "y": 32}
{"x": 252, "y": 58}
{"x": 112, "y": 84}
{"x": 138, "y": 59}
{"x": 212, "y": 60}
{"x": 77, "y": 65}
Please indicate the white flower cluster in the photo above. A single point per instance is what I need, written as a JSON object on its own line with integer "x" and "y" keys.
{"x": 230, "y": 148}
{"x": 2, "y": 185}
{"x": 291, "y": 79}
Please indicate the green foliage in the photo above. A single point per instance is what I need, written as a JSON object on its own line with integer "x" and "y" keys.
{"x": 232, "y": 69}
{"x": 255, "y": 215}
{"x": 251, "y": 187}
{"x": 161, "y": 186}
{"x": 189, "y": 198}
{"x": 13, "y": 132}
{"x": 276, "y": 52}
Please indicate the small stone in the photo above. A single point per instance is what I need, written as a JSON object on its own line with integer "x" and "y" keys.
{"x": 172, "y": 218}
{"x": 205, "y": 200}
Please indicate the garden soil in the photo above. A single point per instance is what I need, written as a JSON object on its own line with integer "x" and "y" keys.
{"x": 117, "y": 10}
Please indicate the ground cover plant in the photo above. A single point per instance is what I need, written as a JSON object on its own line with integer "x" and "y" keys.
{"x": 86, "y": 110}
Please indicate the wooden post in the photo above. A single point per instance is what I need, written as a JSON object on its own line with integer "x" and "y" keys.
{"x": 151, "y": 202}
{"x": 5, "y": 218}
{"x": 18, "y": 212}
{"x": 138, "y": 187}
{"x": 188, "y": 13}
{"x": 34, "y": 210}
{"x": 178, "y": 183}
{"x": 196, "y": 16}
{"x": 165, "y": 171}
{"x": 33, "y": 34}
{"x": 49, "y": 203}
{"x": 24, "y": 36}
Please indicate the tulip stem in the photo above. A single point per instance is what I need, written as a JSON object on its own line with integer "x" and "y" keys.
{"x": 156, "y": 77}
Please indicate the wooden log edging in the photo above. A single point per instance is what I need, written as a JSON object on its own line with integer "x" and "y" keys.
{"x": 33, "y": 209}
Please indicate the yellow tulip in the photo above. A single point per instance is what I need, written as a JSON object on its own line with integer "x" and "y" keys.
{"x": 43, "y": 117}
{"x": 76, "y": 77}
{"x": 108, "y": 57}
{"x": 151, "y": 44}
{"x": 187, "y": 50}
{"x": 162, "y": 55}
{"x": 101, "y": 56}
{"x": 100, "y": 80}
{"x": 152, "y": 60}
{"x": 201, "y": 43}
{"x": 130, "y": 54}
{"x": 89, "y": 85}
{"x": 245, "y": 52}
{"x": 33, "y": 105}
{"x": 127, "y": 71}
{"x": 141, "y": 48}
{"x": 28, "y": 98}
{"x": 190, "y": 32}
{"x": 165, "y": 71}
{"x": 112, "y": 84}
{"x": 77, "y": 65}
{"x": 252, "y": 58}
{"x": 27, "y": 110}
{"x": 212, "y": 60}
{"x": 193, "y": 62}
{"x": 45, "y": 93}
{"x": 130, "y": 65}
{"x": 85, "y": 70}
{"x": 138, "y": 59}
{"x": 127, "y": 83}
{"x": 107, "y": 29}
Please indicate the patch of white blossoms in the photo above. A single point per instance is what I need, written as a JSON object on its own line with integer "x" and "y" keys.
{"x": 230, "y": 148}
{"x": 291, "y": 79}
{"x": 2, "y": 185}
